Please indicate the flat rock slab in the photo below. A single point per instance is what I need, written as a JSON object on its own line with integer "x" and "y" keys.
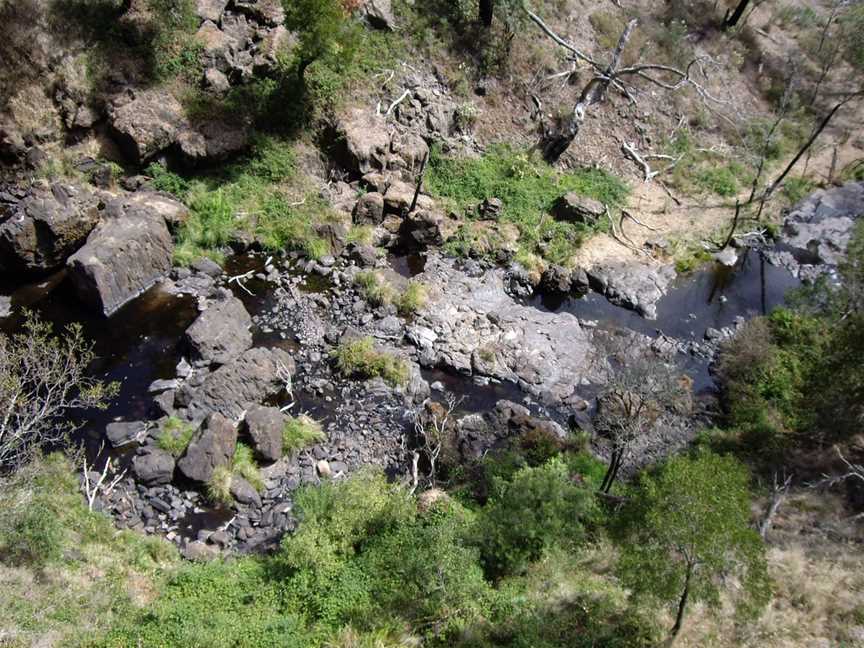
{"x": 821, "y": 225}
{"x": 222, "y": 331}
{"x": 634, "y": 285}
{"x": 473, "y": 326}
{"x": 251, "y": 379}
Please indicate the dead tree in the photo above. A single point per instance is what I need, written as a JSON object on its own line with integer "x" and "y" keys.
{"x": 434, "y": 427}
{"x": 778, "y": 494}
{"x": 555, "y": 141}
{"x": 642, "y": 394}
{"x": 734, "y": 15}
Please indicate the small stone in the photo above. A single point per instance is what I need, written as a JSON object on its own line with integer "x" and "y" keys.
{"x": 323, "y": 468}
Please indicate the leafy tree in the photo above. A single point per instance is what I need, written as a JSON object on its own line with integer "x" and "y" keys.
{"x": 686, "y": 529}
{"x": 42, "y": 377}
{"x": 323, "y": 27}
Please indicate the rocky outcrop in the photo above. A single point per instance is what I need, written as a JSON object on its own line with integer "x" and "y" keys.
{"x": 42, "y": 226}
{"x": 222, "y": 331}
{"x": 821, "y": 225}
{"x": 368, "y": 145}
{"x": 127, "y": 253}
{"x": 254, "y": 377}
{"x": 478, "y": 433}
{"x": 634, "y": 285}
{"x": 211, "y": 447}
{"x": 120, "y": 433}
{"x": 153, "y": 466}
{"x": 473, "y": 326}
{"x": 148, "y": 122}
{"x": 379, "y": 13}
{"x": 265, "y": 425}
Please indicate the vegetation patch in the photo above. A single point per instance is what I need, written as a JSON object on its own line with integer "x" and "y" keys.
{"x": 528, "y": 187}
{"x": 243, "y": 465}
{"x": 360, "y": 358}
{"x": 175, "y": 436}
{"x": 300, "y": 432}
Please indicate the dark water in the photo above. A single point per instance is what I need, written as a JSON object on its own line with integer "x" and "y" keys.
{"x": 473, "y": 397}
{"x": 709, "y": 298}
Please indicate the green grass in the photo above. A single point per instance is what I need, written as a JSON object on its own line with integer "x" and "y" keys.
{"x": 300, "y": 432}
{"x": 243, "y": 464}
{"x": 175, "y": 436}
{"x": 374, "y": 288}
{"x": 412, "y": 299}
{"x": 528, "y": 187}
{"x": 360, "y": 358}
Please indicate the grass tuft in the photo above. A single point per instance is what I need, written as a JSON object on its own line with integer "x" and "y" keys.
{"x": 360, "y": 358}
{"x": 300, "y": 432}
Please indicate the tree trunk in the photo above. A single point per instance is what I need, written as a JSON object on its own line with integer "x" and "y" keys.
{"x": 682, "y": 605}
{"x": 611, "y": 471}
{"x": 486, "y": 10}
{"x": 731, "y": 18}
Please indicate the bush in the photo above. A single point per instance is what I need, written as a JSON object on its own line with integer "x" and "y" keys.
{"x": 299, "y": 432}
{"x": 359, "y": 358}
{"x": 219, "y": 485}
{"x": 549, "y": 507}
{"x": 242, "y": 465}
{"x": 412, "y": 299}
{"x": 374, "y": 289}
{"x": 35, "y": 537}
{"x": 175, "y": 436}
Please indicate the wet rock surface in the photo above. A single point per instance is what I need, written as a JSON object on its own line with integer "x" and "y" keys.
{"x": 634, "y": 285}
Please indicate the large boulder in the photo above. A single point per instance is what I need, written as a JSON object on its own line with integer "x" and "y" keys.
{"x": 366, "y": 140}
{"x": 127, "y": 253}
{"x": 265, "y": 425}
{"x": 41, "y": 227}
{"x": 211, "y": 447}
{"x": 379, "y": 14}
{"x": 634, "y": 285}
{"x": 222, "y": 332}
{"x": 257, "y": 375}
{"x": 146, "y": 122}
{"x": 209, "y": 141}
{"x": 575, "y": 208}
{"x": 210, "y": 9}
{"x": 369, "y": 209}
{"x": 153, "y": 466}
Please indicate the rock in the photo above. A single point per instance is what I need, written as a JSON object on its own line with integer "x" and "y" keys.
{"x": 252, "y": 378}
{"x": 366, "y": 141}
{"x": 491, "y": 208}
{"x": 199, "y": 552}
{"x": 153, "y": 466}
{"x": 210, "y": 9}
{"x": 635, "y": 285}
{"x": 212, "y": 140}
{"x": 146, "y": 122}
{"x": 216, "y": 80}
{"x": 575, "y": 208}
{"x": 379, "y": 14}
{"x": 429, "y": 227}
{"x": 268, "y": 12}
{"x": 5, "y": 306}
{"x": 244, "y": 492}
{"x": 478, "y": 433}
{"x": 207, "y": 266}
{"x": 40, "y": 230}
{"x": 126, "y": 254}
{"x": 365, "y": 255}
{"x": 222, "y": 332}
{"x": 323, "y": 468}
{"x": 211, "y": 447}
{"x": 821, "y": 225}
{"x": 727, "y": 257}
{"x": 556, "y": 279}
{"x": 265, "y": 426}
{"x": 335, "y": 233}
{"x": 275, "y": 43}
{"x": 152, "y": 203}
{"x": 121, "y": 433}
{"x": 400, "y": 195}
{"x": 162, "y": 385}
{"x": 369, "y": 209}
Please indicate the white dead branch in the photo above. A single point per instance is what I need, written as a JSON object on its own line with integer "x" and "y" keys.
{"x": 104, "y": 484}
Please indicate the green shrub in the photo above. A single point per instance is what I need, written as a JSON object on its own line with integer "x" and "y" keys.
{"x": 300, "y": 432}
{"x": 549, "y": 507}
{"x": 218, "y": 487}
{"x": 721, "y": 180}
{"x": 359, "y": 358}
{"x": 165, "y": 180}
{"x": 796, "y": 189}
{"x": 374, "y": 288}
{"x": 175, "y": 436}
{"x": 412, "y": 299}
{"x": 36, "y": 536}
{"x": 244, "y": 464}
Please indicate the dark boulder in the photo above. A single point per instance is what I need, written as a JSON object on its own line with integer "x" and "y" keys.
{"x": 211, "y": 447}
{"x": 153, "y": 466}
{"x": 369, "y": 209}
{"x": 41, "y": 227}
{"x": 222, "y": 332}
{"x": 257, "y": 375}
{"x": 127, "y": 253}
{"x": 265, "y": 425}
{"x": 146, "y": 122}
{"x": 575, "y": 208}
{"x": 120, "y": 433}
{"x": 244, "y": 492}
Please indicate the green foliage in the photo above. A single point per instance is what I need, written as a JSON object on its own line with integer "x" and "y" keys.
{"x": 35, "y": 536}
{"x": 796, "y": 189}
{"x": 688, "y": 526}
{"x": 412, "y": 299}
{"x": 218, "y": 487}
{"x": 374, "y": 288}
{"x": 853, "y": 34}
{"x": 165, "y": 180}
{"x": 244, "y": 464}
{"x": 549, "y": 507}
{"x": 721, "y": 180}
{"x": 300, "y": 432}
{"x": 175, "y": 436}
{"x": 528, "y": 187}
{"x": 360, "y": 358}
